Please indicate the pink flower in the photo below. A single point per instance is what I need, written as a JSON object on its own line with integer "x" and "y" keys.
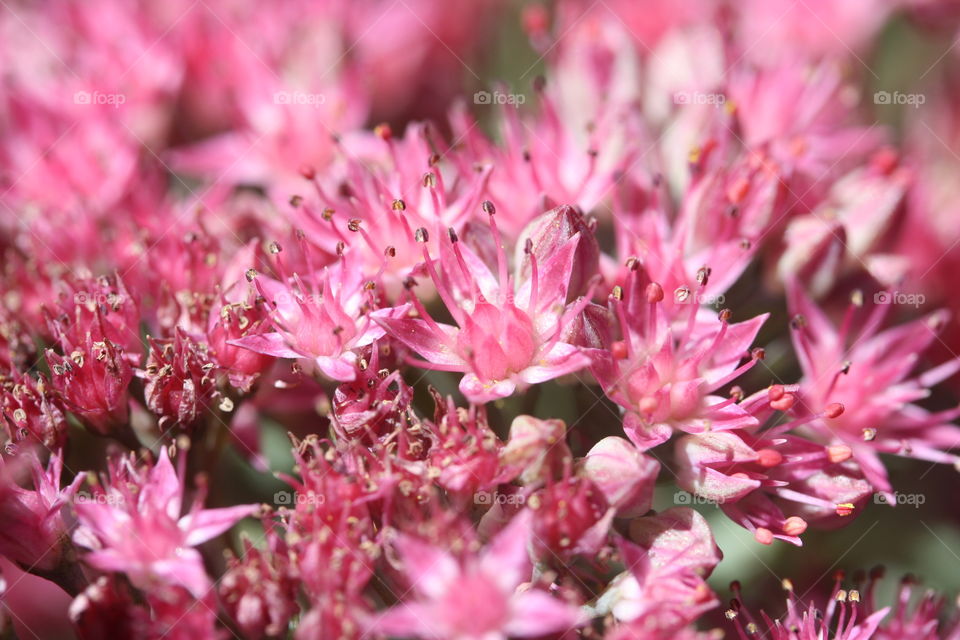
{"x": 321, "y": 320}
{"x": 395, "y": 186}
{"x": 465, "y": 452}
{"x": 874, "y": 377}
{"x": 509, "y": 332}
{"x": 560, "y": 156}
{"x": 572, "y": 517}
{"x": 102, "y": 308}
{"x": 109, "y": 607}
{"x": 665, "y": 369}
{"x": 31, "y": 410}
{"x": 260, "y": 588}
{"x": 93, "y": 381}
{"x": 772, "y": 484}
{"x": 35, "y": 534}
{"x": 373, "y": 405}
{"x": 478, "y": 598}
{"x": 663, "y": 588}
{"x": 536, "y": 450}
{"x": 133, "y": 524}
{"x": 178, "y": 379}
{"x": 844, "y": 618}
{"x": 235, "y": 321}
{"x": 624, "y": 475}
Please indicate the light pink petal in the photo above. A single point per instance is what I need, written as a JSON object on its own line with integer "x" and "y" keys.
{"x": 479, "y": 392}
{"x": 537, "y": 613}
{"x": 624, "y": 475}
{"x": 163, "y": 489}
{"x": 645, "y": 435}
{"x": 736, "y": 345}
{"x": 679, "y": 537}
{"x": 553, "y": 277}
{"x": 271, "y": 344}
{"x": 505, "y": 559}
{"x": 109, "y": 560}
{"x": 209, "y": 523}
{"x": 866, "y": 629}
{"x": 340, "y": 369}
{"x": 479, "y": 271}
{"x": 593, "y": 538}
{"x": 185, "y": 570}
{"x": 207, "y": 158}
{"x": 559, "y": 361}
{"x": 407, "y": 620}
{"x": 421, "y": 336}
{"x": 431, "y": 570}
{"x": 100, "y": 520}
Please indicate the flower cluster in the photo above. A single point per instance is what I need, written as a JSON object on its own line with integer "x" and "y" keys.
{"x": 495, "y": 335}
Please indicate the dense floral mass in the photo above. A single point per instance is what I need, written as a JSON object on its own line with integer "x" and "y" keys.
{"x": 308, "y": 331}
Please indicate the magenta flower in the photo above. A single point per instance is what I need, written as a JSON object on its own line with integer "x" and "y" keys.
{"x": 478, "y": 598}
{"x": 844, "y": 618}
{"x": 624, "y": 475}
{"x": 178, "y": 380}
{"x": 133, "y": 524}
{"x": 572, "y": 517}
{"x": 874, "y": 377}
{"x": 35, "y": 534}
{"x": 402, "y": 187}
{"x": 664, "y": 372}
{"x": 773, "y": 485}
{"x": 663, "y": 588}
{"x": 509, "y": 332}
{"x": 260, "y": 588}
{"x": 93, "y": 382}
{"x": 322, "y": 322}
{"x": 31, "y": 410}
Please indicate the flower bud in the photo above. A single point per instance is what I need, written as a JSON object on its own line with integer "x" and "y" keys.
{"x": 624, "y": 475}
{"x": 548, "y": 232}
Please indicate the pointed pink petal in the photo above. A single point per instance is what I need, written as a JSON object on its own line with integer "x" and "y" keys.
{"x": 163, "y": 489}
{"x": 340, "y": 369}
{"x": 478, "y": 392}
{"x": 420, "y": 336}
{"x": 645, "y": 436}
{"x": 209, "y": 523}
{"x": 559, "y": 361}
{"x": 271, "y": 344}
{"x": 432, "y": 571}
{"x": 186, "y": 570}
{"x": 407, "y": 620}
{"x": 553, "y": 278}
{"x": 537, "y": 613}
{"x": 505, "y": 559}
